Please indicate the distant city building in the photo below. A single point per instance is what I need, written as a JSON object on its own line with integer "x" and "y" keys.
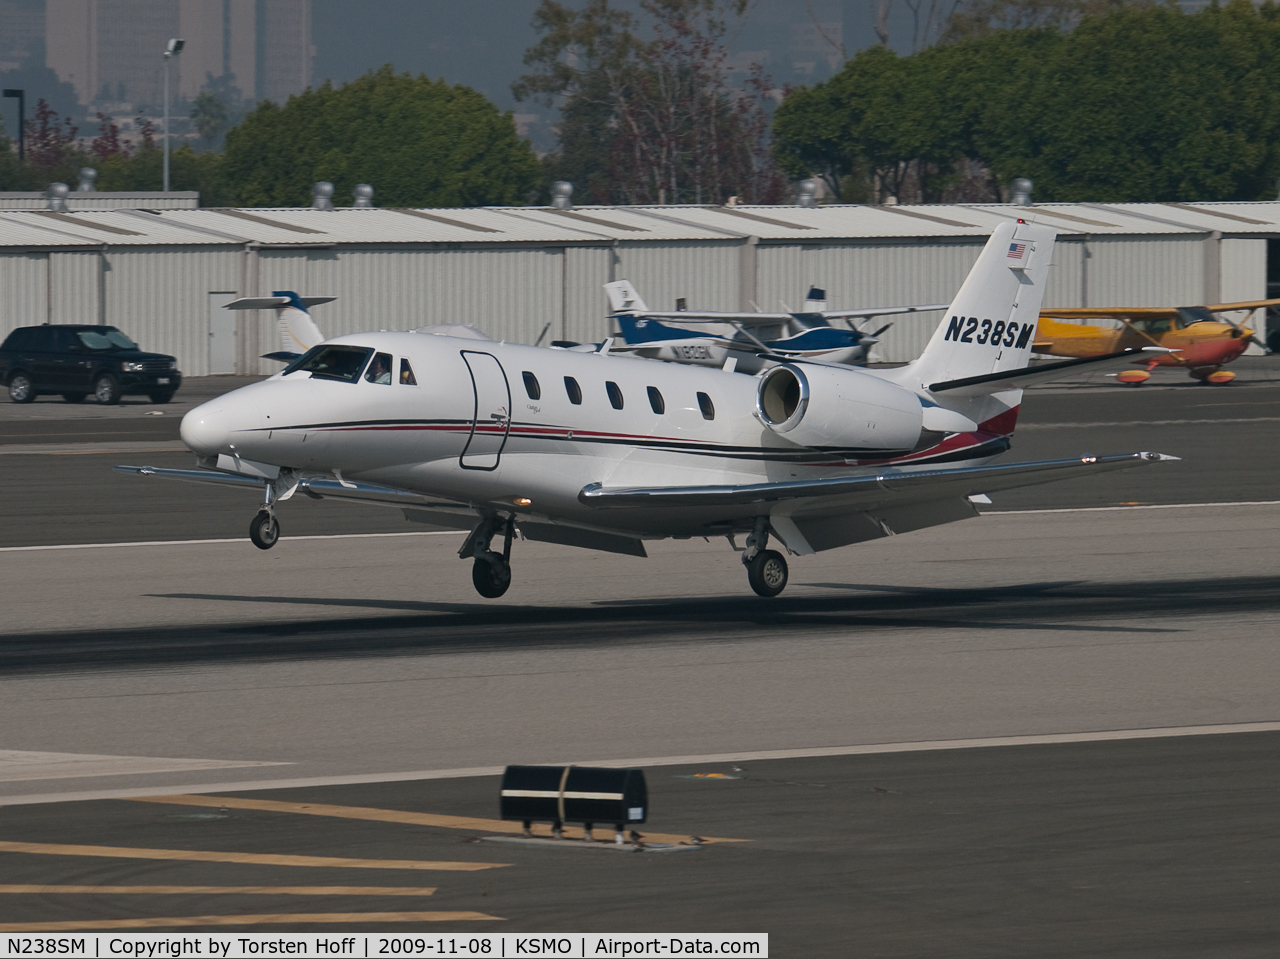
{"x": 110, "y": 50}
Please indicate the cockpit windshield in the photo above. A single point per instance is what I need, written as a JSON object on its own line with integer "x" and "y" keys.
{"x": 331, "y": 362}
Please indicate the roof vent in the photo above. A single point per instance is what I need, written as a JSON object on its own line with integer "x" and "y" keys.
{"x": 363, "y": 194}
{"x": 87, "y": 177}
{"x": 1022, "y": 191}
{"x": 322, "y": 195}
{"x": 57, "y": 196}
{"x": 561, "y": 191}
{"x": 807, "y": 194}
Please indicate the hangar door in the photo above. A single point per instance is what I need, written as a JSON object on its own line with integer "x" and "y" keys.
{"x": 491, "y": 420}
{"x": 222, "y": 334}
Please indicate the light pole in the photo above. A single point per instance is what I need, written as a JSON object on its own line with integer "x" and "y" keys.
{"x": 22, "y": 121}
{"x": 174, "y": 48}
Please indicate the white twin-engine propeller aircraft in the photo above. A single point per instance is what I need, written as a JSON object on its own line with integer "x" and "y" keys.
{"x": 604, "y": 451}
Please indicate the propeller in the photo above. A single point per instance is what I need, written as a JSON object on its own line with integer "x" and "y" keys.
{"x": 1243, "y": 332}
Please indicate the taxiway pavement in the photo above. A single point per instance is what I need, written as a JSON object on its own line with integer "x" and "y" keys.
{"x": 367, "y": 659}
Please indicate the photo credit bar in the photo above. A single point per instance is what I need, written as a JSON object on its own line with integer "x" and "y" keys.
{"x": 56, "y": 941}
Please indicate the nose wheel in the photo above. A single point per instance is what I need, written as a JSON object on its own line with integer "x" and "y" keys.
{"x": 264, "y": 531}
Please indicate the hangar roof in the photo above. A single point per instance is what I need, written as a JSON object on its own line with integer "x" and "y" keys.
{"x": 597, "y": 224}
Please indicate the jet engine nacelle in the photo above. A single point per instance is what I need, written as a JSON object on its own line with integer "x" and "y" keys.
{"x": 826, "y": 408}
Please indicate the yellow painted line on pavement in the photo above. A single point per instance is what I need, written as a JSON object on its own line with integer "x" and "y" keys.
{"x": 468, "y": 823}
{"x": 257, "y": 859}
{"x": 95, "y": 925}
{"x": 223, "y": 890}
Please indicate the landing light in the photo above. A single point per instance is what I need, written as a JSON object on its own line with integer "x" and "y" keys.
{"x": 522, "y": 501}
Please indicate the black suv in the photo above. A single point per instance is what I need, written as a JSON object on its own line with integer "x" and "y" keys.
{"x": 78, "y": 360}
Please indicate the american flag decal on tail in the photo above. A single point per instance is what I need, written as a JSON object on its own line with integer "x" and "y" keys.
{"x": 1017, "y": 250}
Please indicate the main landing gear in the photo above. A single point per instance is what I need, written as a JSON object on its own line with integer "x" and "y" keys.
{"x": 490, "y": 571}
{"x": 766, "y": 568}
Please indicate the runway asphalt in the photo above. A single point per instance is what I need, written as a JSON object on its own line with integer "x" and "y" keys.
{"x": 368, "y": 660}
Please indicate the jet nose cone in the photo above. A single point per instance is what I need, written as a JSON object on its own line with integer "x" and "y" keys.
{"x": 206, "y": 430}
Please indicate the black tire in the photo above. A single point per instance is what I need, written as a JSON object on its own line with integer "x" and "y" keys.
{"x": 74, "y": 397}
{"x": 264, "y": 531}
{"x": 491, "y": 575}
{"x": 21, "y": 388}
{"x": 106, "y": 388}
{"x": 162, "y": 397}
{"x": 767, "y": 573}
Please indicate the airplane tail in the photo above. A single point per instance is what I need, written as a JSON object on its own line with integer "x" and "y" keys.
{"x": 991, "y": 323}
{"x": 623, "y": 297}
{"x": 298, "y": 332}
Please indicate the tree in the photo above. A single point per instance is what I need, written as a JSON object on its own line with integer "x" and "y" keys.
{"x": 419, "y": 142}
{"x": 209, "y": 115}
{"x": 1138, "y": 103}
{"x": 651, "y": 121}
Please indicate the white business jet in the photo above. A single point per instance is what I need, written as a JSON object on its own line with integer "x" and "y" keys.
{"x": 604, "y": 451}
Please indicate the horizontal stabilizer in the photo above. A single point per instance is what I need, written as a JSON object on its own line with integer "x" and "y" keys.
{"x": 773, "y": 319}
{"x": 1043, "y": 373}
{"x": 865, "y": 492}
{"x": 274, "y": 302}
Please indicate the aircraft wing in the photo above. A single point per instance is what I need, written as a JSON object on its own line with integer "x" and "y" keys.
{"x": 852, "y": 493}
{"x": 1149, "y": 312}
{"x": 316, "y": 487}
{"x": 772, "y": 319}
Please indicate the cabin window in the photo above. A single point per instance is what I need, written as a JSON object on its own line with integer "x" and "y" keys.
{"x": 406, "y": 374}
{"x": 655, "y": 400}
{"x": 380, "y": 369}
{"x": 531, "y": 386}
{"x": 708, "y": 408}
{"x": 615, "y": 394}
{"x": 574, "y": 390}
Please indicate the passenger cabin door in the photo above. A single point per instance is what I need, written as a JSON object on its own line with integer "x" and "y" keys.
{"x": 491, "y": 420}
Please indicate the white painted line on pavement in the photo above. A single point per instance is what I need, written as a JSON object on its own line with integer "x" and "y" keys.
{"x": 870, "y": 749}
{"x": 236, "y": 539}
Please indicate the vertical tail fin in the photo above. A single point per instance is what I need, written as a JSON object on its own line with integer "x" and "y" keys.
{"x": 992, "y": 320}
{"x": 298, "y": 332}
{"x": 623, "y": 296}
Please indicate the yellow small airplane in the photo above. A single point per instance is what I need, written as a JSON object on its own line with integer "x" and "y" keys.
{"x": 1201, "y": 341}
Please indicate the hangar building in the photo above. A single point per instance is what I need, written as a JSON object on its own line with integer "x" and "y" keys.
{"x": 521, "y": 274}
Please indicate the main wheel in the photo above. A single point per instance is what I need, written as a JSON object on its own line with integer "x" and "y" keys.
{"x": 264, "y": 530}
{"x": 107, "y": 389}
{"x": 74, "y": 397}
{"x": 164, "y": 396}
{"x": 21, "y": 389}
{"x": 767, "y": 573}
{"x": 491, "y": 575}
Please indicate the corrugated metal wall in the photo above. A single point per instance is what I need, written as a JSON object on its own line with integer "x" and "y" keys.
{"x": 704, "y": 272}
{"x": 586, "y": 306}
{"x": 1244, "y": 270}
{"x": 509, "y": 294}
{"x": 24, "y": 287}
{"x": 1146, "y": 271}
{"x": 159, "y": 295}
{"x": 74, "y": 286}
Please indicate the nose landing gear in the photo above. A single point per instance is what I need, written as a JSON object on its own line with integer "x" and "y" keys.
{"x": 264, "y": 530}
{"x": 766, "y": 568}
{"x": 490, "y": 571}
